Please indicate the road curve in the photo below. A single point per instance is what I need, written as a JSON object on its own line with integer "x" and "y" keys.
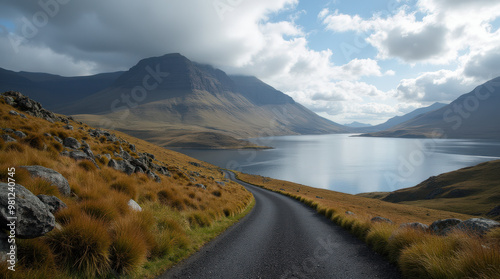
{"x": 283, "y": 238}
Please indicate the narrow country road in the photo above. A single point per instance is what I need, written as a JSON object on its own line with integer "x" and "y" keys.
{"x": 283, "y": 238}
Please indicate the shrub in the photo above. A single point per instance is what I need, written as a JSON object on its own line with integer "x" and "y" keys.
{"x": 87, "y": 165}
{"x": 41, "y": 186}
{"x": 199, "y": 218}
{"x": 82, "y": 246}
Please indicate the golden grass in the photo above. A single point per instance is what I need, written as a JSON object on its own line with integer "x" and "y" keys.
{"x": 419, "y": 254}
{"x": 100, "y": 234}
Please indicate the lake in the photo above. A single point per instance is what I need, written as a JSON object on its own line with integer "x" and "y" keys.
{"x": 350, "y": 164}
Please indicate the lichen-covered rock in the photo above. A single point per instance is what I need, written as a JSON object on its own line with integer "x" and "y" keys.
{"x": 20, "y": 134}
{"x": 122, "y": 165}
{"x": 52, "y": 176}
{"x": 33, "y": 217}
{"x": 8, "y": 138}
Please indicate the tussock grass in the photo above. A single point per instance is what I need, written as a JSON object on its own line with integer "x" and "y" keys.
{"x": 83, "y": 246}
{"x": 419, "y": 254}
{"x": 99, "y": 235}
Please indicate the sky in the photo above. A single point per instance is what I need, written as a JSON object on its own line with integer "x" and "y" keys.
{"x": 357, "y": 60}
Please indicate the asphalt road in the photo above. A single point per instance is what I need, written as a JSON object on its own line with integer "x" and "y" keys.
{"x": 283, "y": 238}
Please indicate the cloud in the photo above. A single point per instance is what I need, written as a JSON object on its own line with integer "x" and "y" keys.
{"x": 483, "y": 65}
{"x": 439, "y": 86}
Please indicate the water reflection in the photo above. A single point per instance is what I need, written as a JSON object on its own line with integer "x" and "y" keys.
{"x": 353, "y": 164}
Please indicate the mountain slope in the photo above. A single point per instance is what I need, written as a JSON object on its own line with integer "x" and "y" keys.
{"x": 473, "y": 190}
{"x": 52, "y": 90}
{"x": 396, "y": 120}
{"x": 171, "y": 95}
{"x": 472, "y": 115}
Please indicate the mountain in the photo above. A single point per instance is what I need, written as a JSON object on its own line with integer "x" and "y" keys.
{"x": 472, "y": 190}
{"x": 472, "y": 115}
{"x": 396, "y": 120}
{"x": 163, "y": 98}
{"x": 356, "y": 124}
{"x": 52, "y": 90}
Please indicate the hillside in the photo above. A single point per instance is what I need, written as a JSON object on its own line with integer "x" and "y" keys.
{"x": 52, "y": 90}
{"x": 472, "y": 115}
{"x": 397, "y": 120}
{"x": 96, "y": 203}
{"x": 185, "y": 97}
{"x": 473, "y": 190}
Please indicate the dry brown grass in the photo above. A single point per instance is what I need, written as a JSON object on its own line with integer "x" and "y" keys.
{"x": 419, "y": 254}
{"x": 100, "y": 233}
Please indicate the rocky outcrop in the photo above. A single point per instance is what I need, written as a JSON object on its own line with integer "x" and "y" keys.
{"x": 494, "y": 212}
{"x": 52, "y": 176}
{"x": 31, "y": 107}
{"x": 33, "y": 217}
{"x": 122, "y": 165}
{"x": 54, "y": 204}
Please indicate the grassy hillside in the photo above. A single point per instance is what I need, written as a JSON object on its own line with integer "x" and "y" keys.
{"x": 418, "y": 253}
{"x": 99, "y": 234}
{"x": 472, "y": 190}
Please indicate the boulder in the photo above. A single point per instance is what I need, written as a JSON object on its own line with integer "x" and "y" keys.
{"x": 50, "y": 175}
{"x": 8, "y": 138}
{"x": 71, "y": 143}
{"x": 13, "y": 112}
{"x": 221, "y": 183}
{"x": 140, "y": 163}
{"x": 53, "y": 203}
{"x": 416, "y": 226}
{"x": 122, "y": 165}
{"x": 349, "y": 213}
{"x": 68, "y": 127}
{"x": 134, "y": 205}
{"x": 33, "y": 217}
{"x": 9, "y": 100}
{"x": 19, "y": 134}
{"x": 477, "y": 225}
{"x": 58, "y": 139}
{"x": 132, "y": 148}
{"x": 379, "y": 219}
{"x": 442, "y": 226}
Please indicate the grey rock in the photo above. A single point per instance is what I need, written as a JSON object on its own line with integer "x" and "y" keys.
{"x": 85, "y": 144}
{"x": 13, "y": 112}
{"x": 33, "y": 217}
{"x": 65, "y": 153}
{"x": 379, "y": 219}
{"x": 54, "y": 204}
{"x": 132, "y": 148}
{"x": 153, "y": 176}
{"x": 68, "y": 127}
{"x": 23, "y": 116}
{"x": 125, "y": 155}
{"x": 477, "y": 225}
{"x": 349, "y": 213}
{"x": 9, "y": 100}
{"x": 71, "y": 143}
{"x": 201, "y": 186}
{"x": 140, "y": 163}
{"x": 47, "y": 135}
{"x": 416, "y": 226}
{"x": 164, "y": 171}
{"x": 441, "y": 226}
{"x": 8, "y": 138}
{"x": 195, "y": 164}
{"x": 221, "y": 183}
{"x": 52, "y": 176}
{"x": 8, "y": 130}
{"x": 4, "y": 246}
{"x": 19, "y": 134}
{"x": 122, "y": 165}
{"x": 79, "y": 155}
{"x": 58, "y": 139}
{"x": 108, "y": 156}
{"x": 134, "y": 205}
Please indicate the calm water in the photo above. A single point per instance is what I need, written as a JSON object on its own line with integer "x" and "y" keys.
{"x": 353, "y": 164}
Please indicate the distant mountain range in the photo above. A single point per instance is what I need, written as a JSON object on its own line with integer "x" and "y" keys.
{"x": 165, "y": 98}
{"x": 472, "y": 115}
{"x": 175, "y": 102}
